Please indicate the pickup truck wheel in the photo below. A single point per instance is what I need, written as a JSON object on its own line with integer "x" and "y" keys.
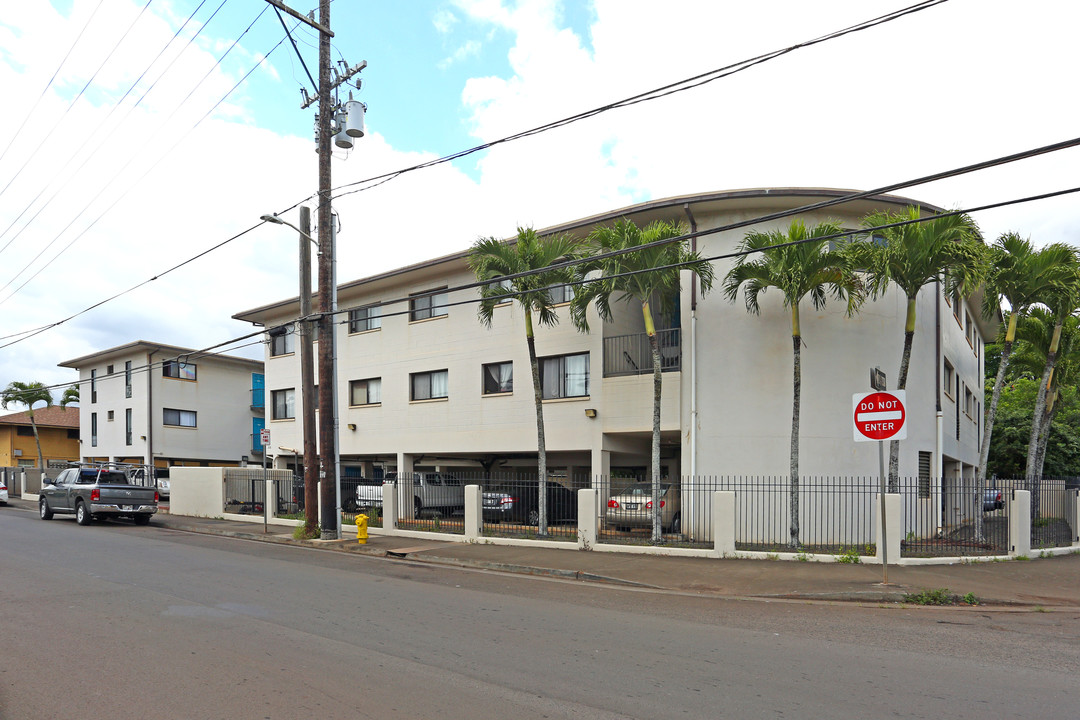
{"x": 142, "y": 519}
{"x": 82, "y": 515}
{"x": 534, "y": 518}
{"x": 418, "y": 506}
{"x": 349, "y": 505}
{"x": 43, "y": 509}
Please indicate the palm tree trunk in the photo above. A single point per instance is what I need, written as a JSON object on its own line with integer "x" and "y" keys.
{"x": 541, "y": 444}
{"x": 1038, "y": 417}
{"x": 1044, "y": 436}
{"x": 901, "y": 384}
{"x": 37, "y": 440}
{"x": 654, "y": 346}
{"x": 988, "y": 426}
{"x": 796, "y": 399}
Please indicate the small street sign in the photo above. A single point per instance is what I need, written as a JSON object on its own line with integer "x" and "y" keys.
{"x": 877, "y": 379}
{"x": 879, "y": 416}
{"x": 264, "y": 436}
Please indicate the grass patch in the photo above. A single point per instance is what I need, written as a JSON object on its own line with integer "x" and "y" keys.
{"x": 940, "y": 596}
{"x": 849, "y": 556}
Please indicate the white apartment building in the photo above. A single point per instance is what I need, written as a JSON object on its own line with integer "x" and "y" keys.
{"x": 422, "y": 384}
{"x": 153, "y": 404}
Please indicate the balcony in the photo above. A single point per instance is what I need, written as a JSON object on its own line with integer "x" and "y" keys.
{"x": 258, "y": 399}
{"x": 631, "y": 355}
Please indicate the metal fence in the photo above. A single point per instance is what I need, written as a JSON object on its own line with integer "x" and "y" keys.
{"x": 631, "y": 354}
{"x": 510, "y": 506}
{"x": 245, "y": 489}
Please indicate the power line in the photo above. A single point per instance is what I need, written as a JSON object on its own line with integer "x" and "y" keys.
{"x": 314, "y": 84}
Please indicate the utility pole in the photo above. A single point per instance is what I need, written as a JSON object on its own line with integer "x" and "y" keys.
{"x": 307, "y": 375}
{"x": 327, "y": 381}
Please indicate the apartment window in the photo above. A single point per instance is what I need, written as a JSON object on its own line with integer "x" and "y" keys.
{"x": 505, "y": 286}
{"x": 24, "y": 431}
{"x": 127, "y": 379}
{"x": 365, "y": 392}
{"x": 365, "y": 318}
{"x": 178, "y": 418}
{"x": 950, "y": 375}
{"x": 429, "y": 385}
{"x": 956, "y": 304}
{"x": 969, "y": 330}
{"x": 127, "y": 426}
{"x": 924, "y": 474}
{"x": 284, "y": 344}
{"x": 284, "y": 404}
{"x": 73, "y": 434}
{"x": 111, "y": 416}
{"x": 969, "y": 402}
{"x": 108, "y": 369}
{"x": 93, "y": 386}
{"x": 178, "y": 370}
{"x": 564, "y": 376}
{"x": 424, "y": 306}
{"x": 93, "y": 429}
{"x": 498, "y": 378}
{"x": 561, "y": 294}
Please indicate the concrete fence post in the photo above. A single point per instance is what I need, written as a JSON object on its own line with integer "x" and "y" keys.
{"x": 1072, "y": 512}
{"x": 894, "y": 526}
{"x": 1019, "y": 523}
{"x": 270, "y": 499}
{"x": 723, "y": 522}
{"x": 389, "y": 508}
{"x": 587, "y": 520}
{"x": 473, "y": 510}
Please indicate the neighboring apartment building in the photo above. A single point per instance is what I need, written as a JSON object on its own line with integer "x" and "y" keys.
{"x": 424, "y": 384}
{"x": 58, "y": 430}
{"x": 152, "y": 404}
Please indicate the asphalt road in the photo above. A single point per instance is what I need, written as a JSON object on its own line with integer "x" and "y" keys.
{"x": 115, "y": 621}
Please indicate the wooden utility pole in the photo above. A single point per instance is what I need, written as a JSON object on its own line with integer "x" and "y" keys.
{"x": 327, "y": 381}
{"x": 307, "y": 376}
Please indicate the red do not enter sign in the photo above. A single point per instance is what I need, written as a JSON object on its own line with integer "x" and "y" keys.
{"x": 879, "y": 416}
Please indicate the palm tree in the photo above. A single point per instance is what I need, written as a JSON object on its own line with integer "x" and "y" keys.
{"x": 643, "y": 278}
{"x": 1021, "y": 276}
{"x": 28, "y": 394}
{"x": 1062, "y": 301}
{"x": 797, "y": 263}
{"x": 913, "y": 256}
{"x": 491, "y": 259}
{"x": 71, "y": 395}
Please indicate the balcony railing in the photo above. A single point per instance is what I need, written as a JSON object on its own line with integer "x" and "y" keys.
{"x": 631, "y": 355}
{"x": 258, "y": 399}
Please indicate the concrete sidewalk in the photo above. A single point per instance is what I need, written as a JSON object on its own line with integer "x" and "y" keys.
{"x": 1045, "y": 582}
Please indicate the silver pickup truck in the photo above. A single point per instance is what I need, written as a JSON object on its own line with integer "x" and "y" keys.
{"x": 94, "y": 492}
{"x": 432, "y": 491}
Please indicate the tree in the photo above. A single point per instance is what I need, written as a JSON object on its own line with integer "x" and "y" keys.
{"x": 648, "y": 276}
{"x": 912, "y": 256}
{"x": 28, "y": 394}
{"x": 797, "y": 263}
{"x": 491, "y": 259}
{"x": 71, "y": 395}
{"x": 1021, "y": 276}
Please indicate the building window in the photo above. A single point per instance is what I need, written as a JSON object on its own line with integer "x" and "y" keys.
{"x": 956, "y": 305}
{"x": 498, "y": 378}
{"x": 429, "y": 385}
{"x": 365, "y": 392}
{"x": 924, "y": 474}
{"x": 24, "y": 431}
{"x": 564, "y": 376}
{"x": 108, "y": 369}
{"x": 178, "y": 418}
{"x": 110, "y": 416}
{"x": 284, "y": 404}
{"x": 429, "y": 304}
{"x": 93, "y": 386}
{"x": 127, "y": 426}
{"x": 969, "y": 403}
{"x": 365, "y": 318}
{"x": 127, "y": 379}
{"x": 284, "y": 344}
{"x": 950, "y": 375}
{"x": 178, "y": 370}
{"x": 969, "y": 330}
{"x": 73, "y": 434}
{"x": 93, "y": 429}
{"x": 561, "y": 294}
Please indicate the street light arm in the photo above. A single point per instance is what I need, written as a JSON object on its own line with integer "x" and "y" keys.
{"x": 276, "y": 220}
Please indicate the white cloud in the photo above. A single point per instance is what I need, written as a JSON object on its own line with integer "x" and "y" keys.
{"x": 471, "y": 48}
{"x": 443, "y": 20}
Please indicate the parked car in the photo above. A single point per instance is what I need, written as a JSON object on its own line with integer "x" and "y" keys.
{"x": 431, "y": 491}
{"x": 993, "y": 500}
{"x": 632, "y": 507}
{"x": 520, "y": 502}
{"x": 96, "y": 493}
{"x": 3, "y": 492}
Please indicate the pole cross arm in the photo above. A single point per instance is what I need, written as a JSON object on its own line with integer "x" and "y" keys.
{"x": 302, "y": 18}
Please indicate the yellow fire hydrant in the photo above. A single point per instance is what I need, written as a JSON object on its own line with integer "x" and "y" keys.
{"x": 361, "y": 529}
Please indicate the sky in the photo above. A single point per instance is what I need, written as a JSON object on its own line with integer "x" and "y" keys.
{"x": 136, "y": 137}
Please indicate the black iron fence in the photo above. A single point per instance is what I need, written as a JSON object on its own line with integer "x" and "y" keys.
{"x": 632, "y": 355}
{"x": 245, "y": 490}
{"x": 511, "y": 506}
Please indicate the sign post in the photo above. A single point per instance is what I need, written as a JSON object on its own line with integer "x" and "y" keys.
{"x": 880, "y": 416}
{"x": 264, "y": 440}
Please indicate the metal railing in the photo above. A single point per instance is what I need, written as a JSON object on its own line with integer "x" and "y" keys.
{"x": 258, "y": 398}
{"x": 510, "y": 506}
{"x": 631, "y": 354}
